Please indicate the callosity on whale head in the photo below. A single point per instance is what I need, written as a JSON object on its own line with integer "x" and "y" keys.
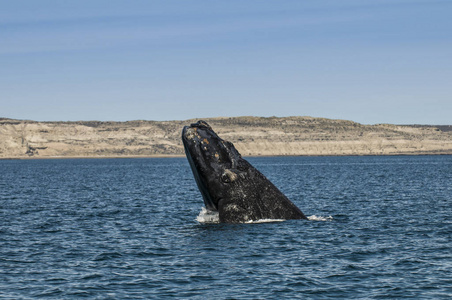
{"x": 228, "y": 183}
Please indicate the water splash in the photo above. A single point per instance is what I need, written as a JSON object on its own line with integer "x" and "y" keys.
{"x": 211, "y": 217}
{"x": 208, "y": 216}
{"x": 264, "y": 221}
{"x": 319, "y": 218}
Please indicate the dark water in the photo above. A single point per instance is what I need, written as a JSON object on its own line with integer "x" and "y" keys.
{"x": 127, "y": 229}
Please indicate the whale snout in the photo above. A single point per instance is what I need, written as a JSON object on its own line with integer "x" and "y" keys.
{"x": 189, "y": 133}
{"x": 201, "y": 124}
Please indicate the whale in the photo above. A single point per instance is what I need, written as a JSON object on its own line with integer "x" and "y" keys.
{"x": 229, "y": 184}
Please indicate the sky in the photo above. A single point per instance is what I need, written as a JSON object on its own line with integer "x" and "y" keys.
{"x": 385, "y": 61}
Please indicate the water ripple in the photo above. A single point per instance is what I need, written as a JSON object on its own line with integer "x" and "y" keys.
{"x": 128, "y": 229}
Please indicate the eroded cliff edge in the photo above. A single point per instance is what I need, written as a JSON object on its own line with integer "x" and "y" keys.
{"x": 251, "y": 135}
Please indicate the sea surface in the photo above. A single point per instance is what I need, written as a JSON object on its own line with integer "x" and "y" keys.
{"x": 379, "y": 228}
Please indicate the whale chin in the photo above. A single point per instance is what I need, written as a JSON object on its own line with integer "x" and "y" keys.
{"x": 196, "y": 169}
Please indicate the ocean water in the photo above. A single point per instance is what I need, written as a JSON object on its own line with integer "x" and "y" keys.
{"x": 379, "y": 228}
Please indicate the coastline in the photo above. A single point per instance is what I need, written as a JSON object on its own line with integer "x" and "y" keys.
{"x": 244, "y": 156}
{"x": 252, "y": 136}
{"x": 90, "y": 157}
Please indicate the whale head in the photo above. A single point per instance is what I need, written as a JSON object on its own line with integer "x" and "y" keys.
{"x": 215, "y": 163}
{"x": 229, "y": 184}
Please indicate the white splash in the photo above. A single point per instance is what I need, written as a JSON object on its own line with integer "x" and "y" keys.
{"x": 264, "y": 221}
{"x": 318, "y": 218}
{"x": 208, "y": 216}
{"x": 211, "y": 217}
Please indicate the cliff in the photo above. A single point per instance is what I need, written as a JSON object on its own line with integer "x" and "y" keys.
{"x": 251, "y": 136}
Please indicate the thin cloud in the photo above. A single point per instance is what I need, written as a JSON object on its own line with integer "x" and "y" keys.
{"x": 88, "y": 34}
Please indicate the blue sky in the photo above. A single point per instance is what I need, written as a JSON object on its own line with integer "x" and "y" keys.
{"x": 385, "y": 61}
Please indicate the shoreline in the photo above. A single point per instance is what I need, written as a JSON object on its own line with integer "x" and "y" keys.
{"x": 90, "y": 157}
{"x": 244, "y": 156}
{"x": 252, "y": 136}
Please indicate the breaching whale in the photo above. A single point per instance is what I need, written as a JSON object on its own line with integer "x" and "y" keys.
{"x": 228, "y": 183}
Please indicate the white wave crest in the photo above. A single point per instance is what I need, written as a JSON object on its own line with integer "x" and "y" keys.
{"x": 208, "y": 216}
{"x": 319, "y": 218}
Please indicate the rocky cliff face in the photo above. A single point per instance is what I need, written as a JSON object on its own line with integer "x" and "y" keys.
{"x": 251, "y": 136}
